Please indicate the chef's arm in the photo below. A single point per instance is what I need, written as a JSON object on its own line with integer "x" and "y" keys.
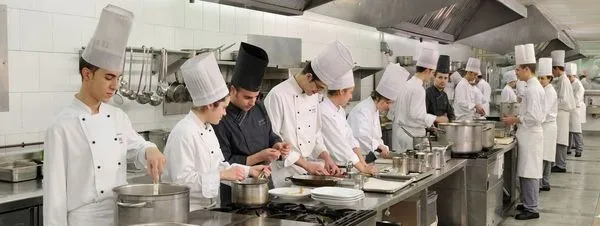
{"x": 137, "y": 147}
{"x": 361, "y": 129}
{"x": 450, "y": 112}
{"x": 55, "y": 184}
{"x": 418, "y": 112}
{"x": 361, "y": 157}
{"x": 274, "y": 106}
{"x": 461, "y": 100}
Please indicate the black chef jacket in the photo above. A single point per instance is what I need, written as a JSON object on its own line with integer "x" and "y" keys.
{"x": 437, "y": 103}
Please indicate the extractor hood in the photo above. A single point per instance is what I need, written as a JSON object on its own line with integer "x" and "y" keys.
{"x": 282, "y": 7}
{"x": 536, "y": 28}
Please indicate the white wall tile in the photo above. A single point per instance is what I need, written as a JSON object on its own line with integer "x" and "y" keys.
{"x": 67, "y": 33}
{"x": 298, "y": 27}
{"x": 206, "y": 39}
{"x": 167, "y": 13}
{"x": 14, "y": 29}
{"x": 36, "y": 31}
{"x": 210, "y": 16}
{"x": 227, "y": 19}
{"x": 164, "y": 37}
{"x": 321, "y": 32}
{"x": 2, "y": 140}
{"x": 88, "y": 27}
{"x": 55, "y": 69}
{"x": 281, "y": 26}
{"x": 12, "y": 121}
{"x": 23, "y": 71}
{"x": 184, "y": 39}
{"x": 141, "y": 35}
{"x": 348, "y": 36}
{"x": 372, "y": 58}
{"x": 358, "y": 56}
{"x": 17, "y": 138}
{"x": 242, "y": 20}
{"x": 75, "y": 7}
{"x": 194, "y": 15}
{"x": 135, "y": 6}
{"x": 311, "y": 49}
{"x": 19, "y": 4}
{"x": 256, "y": 23}
{"x": 269, "y": 24}
{"x": 48, "y": 103}
{"x": 139, "y": 113}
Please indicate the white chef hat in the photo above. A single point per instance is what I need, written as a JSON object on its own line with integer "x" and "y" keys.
{"x": 473, "y": 65}
{"x": 455, "y": 77}
{"x": 106, "y": 49}
{"x": 525, "y": 54}
{"x": 571, "y": 69}
{"x": 203, "y": 79}
{"x": 558, "y": 58}
{"x": 393, "y": 77}
{"x": 344, "y": 82}
{"x": 544, "y": 67}
{"x": 332, "y": 62}
{"x": 509, "y": 76}
{"x": 428, "y": 58}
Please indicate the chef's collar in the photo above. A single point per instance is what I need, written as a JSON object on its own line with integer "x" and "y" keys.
{"x": 372, "y": 104}
{"x": 200, "y": 123}
{"x": 296, "y": 86}
{"x": 332, "y": 105}
{"x": 77, "y": 103}
{"x": 237, "y": 113}
{"x": 419, "y": 80}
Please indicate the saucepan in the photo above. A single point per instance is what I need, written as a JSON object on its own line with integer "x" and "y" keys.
{"x": 314, "y": 180}
{"x": 138, "y": 203}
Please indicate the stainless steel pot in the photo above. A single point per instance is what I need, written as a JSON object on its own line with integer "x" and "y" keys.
{"x": 446, "y": 133}
{"x": 466, "y": 136}
{"x": 136, "y": 204}
{"x": 487, "y": 136}
{"x": 439, "y": 160}
{"x": 250, "y": 192}
{"x": 400, "y": 164}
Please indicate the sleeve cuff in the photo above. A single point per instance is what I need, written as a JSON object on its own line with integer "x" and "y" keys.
{"x": 291, "y": 158}
{"x": 140, "y": 161}
{"x": 210, "y": 184}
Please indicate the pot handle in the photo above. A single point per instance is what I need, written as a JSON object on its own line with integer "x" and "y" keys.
{"x": 132, "y": 205}
{"x": 486, "y": 129}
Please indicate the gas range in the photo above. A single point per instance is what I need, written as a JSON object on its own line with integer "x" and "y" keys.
{"x": 483, "y": 154}
{"x": 321, "y": 215}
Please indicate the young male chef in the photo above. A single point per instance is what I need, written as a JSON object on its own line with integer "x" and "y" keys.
{"x": 437, "y": 100}
{"x": 410, "y": 112}
{"x": 544, "y": 70}
{"x": 486, "y": 92}
{"x": 509, "y": 94}
{"x": 292, "y": 107}
{"x": 195, "y": 158}
{"x": 566, "y": 103}
{"x": 88, "y": 145}
{"x": 364, "y": 117}
{"x": 464, "y": 94}
{"x": 577, "y": 115}
{"x": 532, "y": 113}
{"x": 337, "y": 134}
{"x": 453, "y": 80}
{"x": 245, "y": 133}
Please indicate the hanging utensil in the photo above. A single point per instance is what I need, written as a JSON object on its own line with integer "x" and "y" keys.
{"x": 163, "y": 85}
{"x": 125, "y": 87}
{"x": 155, "y": 99}
{"x": 141, "y": 98}
{"x": 150, "y": 72}
{"x": 117, "y": 98}
{"x": 129, "y": 92}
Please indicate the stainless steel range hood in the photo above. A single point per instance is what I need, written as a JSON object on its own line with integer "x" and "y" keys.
{"x": 282, "y": 7}
{"x": 536, "y": 28}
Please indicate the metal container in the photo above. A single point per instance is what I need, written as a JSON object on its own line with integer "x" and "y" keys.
{"x": 487, "y": 136}
{"x": 446, "y": 133}
{"x": 19, "y": 170}
{"x": 137, "y": 204}
{"x": 429, "y": 158}
{"x": 438, "y": 158}
{"x": 500, "y": 133}
{"x": 467, "y": 136}
{"x": 158, "y": 137}
{"x": 400, "y": 164}
{"x": 250, "y": 192}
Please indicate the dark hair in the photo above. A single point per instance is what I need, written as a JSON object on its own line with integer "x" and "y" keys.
{"x": 559, "y": 68}
{"x": 213, "y": 104}
{"x": 551, "y": 77}
{"x": 438, "y": 73}
{"x": 333, "y": 92}
{"x": 377, "y": 96}
{"x": 421, "y": 69}
{"x": 84, "y": 64}
{"x": 530, "y": 66}
{"x": 308, "y": 69}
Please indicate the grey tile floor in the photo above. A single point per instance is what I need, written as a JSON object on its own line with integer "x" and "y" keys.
{"x": 575, "y": 195}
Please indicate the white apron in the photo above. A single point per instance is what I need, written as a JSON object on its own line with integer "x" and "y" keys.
{"x": 530, "y": 152}
{"x": 279, "y": 173}
{"x": 550, "y": 134}
{"x": 582, "y": 113}
{"x": 401, "y": 141}
{"x": 562, "y": 125}
{"x": 575, "y": 121}
{"x": 109, "y": 158}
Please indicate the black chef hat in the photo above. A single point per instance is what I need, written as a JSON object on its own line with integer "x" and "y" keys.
{"x": 249, "y": 67}
{"x": 443, "y": 65}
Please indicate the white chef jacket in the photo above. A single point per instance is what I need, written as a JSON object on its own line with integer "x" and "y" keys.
{"x": 337, "y": 134}
{"x": 486, "y": 91}
{"x": 578, "y": 114}
{"x": 464, "y": 100}
{"x": 551, "y": 103}
{"x": 410, "y": 113}
{"x": 85, "y": 157}
{"x": 549, "y": 126}
{"x": 295, "y": 118}
{"x": 196, "y": 160}
{"x": 508, "y": 95}
{"x": 365, "y": 124}
{"x": 564, "y": 92}
{"x": 530, "y": 132}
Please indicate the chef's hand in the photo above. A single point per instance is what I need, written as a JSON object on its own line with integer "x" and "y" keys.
{"x": 269, "y": 154}
{"x": 510, "y": 120}
{"x": 372, "y": 169}
{"x": 441, "y": 119}
{"x": 155, "y": 162}
{"x": 284, "y": 148}
{"x": 479, "y": 109}
{"x": 385, "y": 152}
{"x": 233, "y": 173}
{"x": 332, "y": 168}
{"x": 315, "y": 169}
{"x": 255, "y": 170}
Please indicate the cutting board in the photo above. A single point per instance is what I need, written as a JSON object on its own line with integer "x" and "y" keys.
{"x": 504, "y": 140}
{"x": 384, "y": 186}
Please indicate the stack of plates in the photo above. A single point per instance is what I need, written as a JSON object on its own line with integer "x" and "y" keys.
{"x": 337, "y": 195}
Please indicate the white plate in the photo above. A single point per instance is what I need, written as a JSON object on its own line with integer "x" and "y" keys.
{"x": 337, "y": 198}
{"x": 337, "y": 192}
{"x": 337, "y": 202}
{"x": 290, "y": 193}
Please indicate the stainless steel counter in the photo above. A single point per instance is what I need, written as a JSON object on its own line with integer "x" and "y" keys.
{"x": 207, "y": 217}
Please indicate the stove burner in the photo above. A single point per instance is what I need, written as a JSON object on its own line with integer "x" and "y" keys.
{"x": 484, "y": 154}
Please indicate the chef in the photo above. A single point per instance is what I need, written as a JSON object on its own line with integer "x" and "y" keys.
{"x": 437, "y": 100}
{"x": 464, "y": 94}
{"x": 410, "y": 112}
{"x": 478, "y": 97}
{"x": 486, "y": 92}
{"x": 453, "y": 80}
{"x": 292, "y": 107}
{"x": 566, "y": 103}
{"x": 509, "y": 94}
{"x": 337, "y": 134}
{"x": 544, "y": 70}
{"x": 245, "y": 133}
{"x": 364, "y": 117}
{"x": 529, "y": 133}
{"x": 88, "y": 145}
{"x": 577, "y": 115}
{"x": 195, "y": 158}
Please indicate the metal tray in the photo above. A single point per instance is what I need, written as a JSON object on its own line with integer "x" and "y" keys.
{"x": 19, "y": 170}
{"x": 392, "y": 175}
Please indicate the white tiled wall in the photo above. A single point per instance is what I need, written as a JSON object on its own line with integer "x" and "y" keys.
{"x": 45, "y": 36}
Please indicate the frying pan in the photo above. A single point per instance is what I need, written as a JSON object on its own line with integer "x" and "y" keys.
{"x": 314, "y": 180}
